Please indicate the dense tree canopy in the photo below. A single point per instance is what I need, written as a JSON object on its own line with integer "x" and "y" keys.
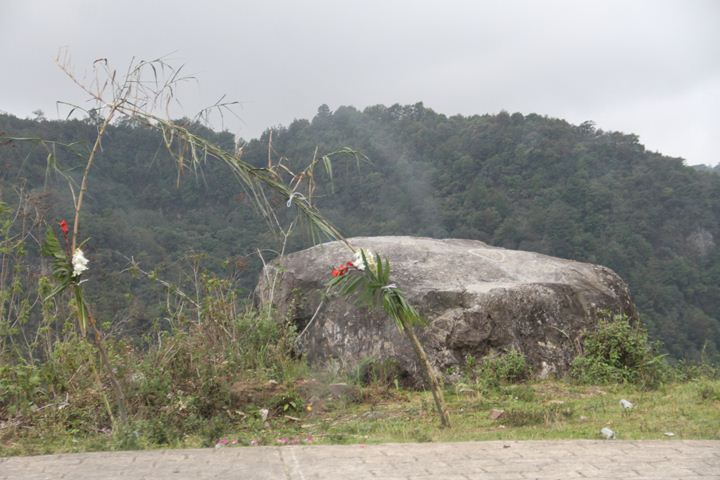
{"x": 517, "y": 181}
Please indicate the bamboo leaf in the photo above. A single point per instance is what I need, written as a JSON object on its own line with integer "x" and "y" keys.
{"x": 328, "y": 169}
{"x": 56, "y": 291}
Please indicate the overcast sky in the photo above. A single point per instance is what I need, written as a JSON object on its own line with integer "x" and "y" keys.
{"x": 646, "y": 67}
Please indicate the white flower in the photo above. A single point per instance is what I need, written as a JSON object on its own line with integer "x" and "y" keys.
{"x": 358, "y": 261}
{"x": 79, "y": 263}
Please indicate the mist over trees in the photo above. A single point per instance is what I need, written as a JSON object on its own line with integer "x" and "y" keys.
{"x": 516, "y": 181}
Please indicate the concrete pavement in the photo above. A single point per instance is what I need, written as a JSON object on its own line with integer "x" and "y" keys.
{"x": 495, "y": 460}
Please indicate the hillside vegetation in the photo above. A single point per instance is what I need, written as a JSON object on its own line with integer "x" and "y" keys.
{"x": 522, "y": 182}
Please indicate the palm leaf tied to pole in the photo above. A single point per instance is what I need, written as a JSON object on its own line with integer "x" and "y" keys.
{"x": 368, "y": 277}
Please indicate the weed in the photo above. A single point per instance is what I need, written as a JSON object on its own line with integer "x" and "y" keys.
{"x": 420, "y": 435}
{"x": 507, "y": 367}
{"x": 385, "y": 373}
{"x": 522, "y": 393}
{"x": 618, "y": 352}
{"x": 288, "y": 402}
{"x": 536, "y": 415}
{"x": 703, "y": 368}
{"x": 126, "y": 437}
{"x": 709, "y": 392}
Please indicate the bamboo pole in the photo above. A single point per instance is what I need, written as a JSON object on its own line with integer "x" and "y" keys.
{"x": 430, "y": 375}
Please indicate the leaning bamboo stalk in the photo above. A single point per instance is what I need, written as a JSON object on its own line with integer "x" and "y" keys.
{"x": 430, "y": 375}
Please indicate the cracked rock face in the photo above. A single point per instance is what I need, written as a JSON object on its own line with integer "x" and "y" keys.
{"x": 479, "y": 300}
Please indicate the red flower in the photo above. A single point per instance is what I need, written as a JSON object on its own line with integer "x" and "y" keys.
{"x": 64, "y": 227}
{"x": 341, "y": 270}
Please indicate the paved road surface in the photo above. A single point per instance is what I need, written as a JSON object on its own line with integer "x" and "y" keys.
{"x": 542, "y": 460}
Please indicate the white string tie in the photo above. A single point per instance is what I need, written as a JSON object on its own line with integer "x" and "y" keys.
{"x": 389, "y": 286}
{"x": 293, "y": 195}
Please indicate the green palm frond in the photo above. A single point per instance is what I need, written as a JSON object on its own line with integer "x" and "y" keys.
{"x": 373, "y": 287}
{"x": 61, "y": 266}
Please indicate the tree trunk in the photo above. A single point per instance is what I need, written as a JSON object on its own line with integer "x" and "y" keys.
{"x": 429, "y": 375}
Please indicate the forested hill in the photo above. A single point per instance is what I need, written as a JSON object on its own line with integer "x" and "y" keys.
{"x": 517, "y": 181}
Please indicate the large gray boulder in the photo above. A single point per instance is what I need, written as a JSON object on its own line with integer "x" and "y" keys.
{"x": 479, "y": 300}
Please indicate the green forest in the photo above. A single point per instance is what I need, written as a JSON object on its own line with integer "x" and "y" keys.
{"x": 516, "y": 181}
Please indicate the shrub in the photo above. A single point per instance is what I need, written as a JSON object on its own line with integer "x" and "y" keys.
{"x": 509, "y": 367}
{"x": 385, "y": 373}
{"x": 705, "y": 367}
{"x": 288, "y": 402}
{"x": 178, "y": 385}
{"x": 708, "y": 391}
{"x": 618, "y": 352}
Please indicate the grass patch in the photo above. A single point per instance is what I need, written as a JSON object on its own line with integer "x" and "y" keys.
{"x": 532, "y": 411}
{"x": 233, "y": 379}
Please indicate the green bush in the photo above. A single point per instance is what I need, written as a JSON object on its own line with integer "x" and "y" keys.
{"x": 288, "y": 402}
{"x": 509, "y": 367}
{"x": 20, "y": 385}
{"x": 619, "y": 352}
{"x": 705, "y": 367}
{"x": 177, "y": 384}
{"x": 708, "y": 392}
{"x": 385, "y": 373}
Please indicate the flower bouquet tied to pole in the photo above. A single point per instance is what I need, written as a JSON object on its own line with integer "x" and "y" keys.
{"x": 367, "y": 277}
{"x": 68, "y": 265}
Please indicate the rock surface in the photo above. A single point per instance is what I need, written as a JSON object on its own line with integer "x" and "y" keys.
{"x": 479, "y": 300}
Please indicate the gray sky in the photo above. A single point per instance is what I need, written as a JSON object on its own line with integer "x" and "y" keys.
{"x": 646, "y": 67}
